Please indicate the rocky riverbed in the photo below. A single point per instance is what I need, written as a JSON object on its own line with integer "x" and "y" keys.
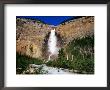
{"x": 44, "y": 69}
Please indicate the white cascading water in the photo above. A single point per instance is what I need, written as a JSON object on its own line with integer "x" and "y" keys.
{"x": 52, "y": 42}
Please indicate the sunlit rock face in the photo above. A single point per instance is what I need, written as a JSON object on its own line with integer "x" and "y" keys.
{"x": 32, "y": 38}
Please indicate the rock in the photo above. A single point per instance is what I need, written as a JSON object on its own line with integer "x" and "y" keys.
{"x": 30, "y": 35}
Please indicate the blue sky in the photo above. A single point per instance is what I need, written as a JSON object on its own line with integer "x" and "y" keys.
{"x": 51, "y": 20}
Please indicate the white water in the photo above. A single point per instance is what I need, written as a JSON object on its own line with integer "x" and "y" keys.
{"x": 51, "y": 70}
{"x": 52, "y": 42}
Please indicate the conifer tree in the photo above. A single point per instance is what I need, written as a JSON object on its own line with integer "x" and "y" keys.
{"x": 61, "y": 55}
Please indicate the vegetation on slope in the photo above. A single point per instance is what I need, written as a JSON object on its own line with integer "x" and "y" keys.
{"x": 83, "y": 52}
{"x": 78, "y": 38}
{"x": 23, "y": 61}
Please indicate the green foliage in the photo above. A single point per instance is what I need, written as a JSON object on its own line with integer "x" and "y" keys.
{"x": 61, "y": 62}
{"x": 23, "y": 61}
{"x": 83, "y": 57}
{"x": 61, "y": 55}
{"x": 83, "y": 52}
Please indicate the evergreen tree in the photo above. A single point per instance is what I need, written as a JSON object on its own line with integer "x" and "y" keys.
{"x": 61, "y": 55}
{"x": 61, "y": 62}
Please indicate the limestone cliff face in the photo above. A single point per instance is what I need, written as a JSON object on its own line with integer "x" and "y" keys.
{"x": 31, "y": 34}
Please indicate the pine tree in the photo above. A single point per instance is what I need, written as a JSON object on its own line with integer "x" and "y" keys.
{"x": 61, "y": 59}
{"x": 61, "y": 55}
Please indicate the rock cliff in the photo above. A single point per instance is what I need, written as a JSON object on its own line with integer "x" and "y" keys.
{"x": 31, "y": 34}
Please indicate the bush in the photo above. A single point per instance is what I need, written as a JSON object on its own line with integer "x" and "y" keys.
{"x": 23, "y": 61}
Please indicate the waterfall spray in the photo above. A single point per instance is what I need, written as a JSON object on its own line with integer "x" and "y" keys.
{"x": 52, "y": 42}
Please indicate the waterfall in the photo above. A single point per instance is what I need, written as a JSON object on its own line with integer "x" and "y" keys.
{"x": 52, "y": 42}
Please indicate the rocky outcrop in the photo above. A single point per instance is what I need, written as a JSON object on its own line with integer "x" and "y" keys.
{"x": 31, "y": 34}
{"x": 77, "y": 28}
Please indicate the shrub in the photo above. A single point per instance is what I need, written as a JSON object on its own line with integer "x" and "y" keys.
{"x": 23, "y": 61}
